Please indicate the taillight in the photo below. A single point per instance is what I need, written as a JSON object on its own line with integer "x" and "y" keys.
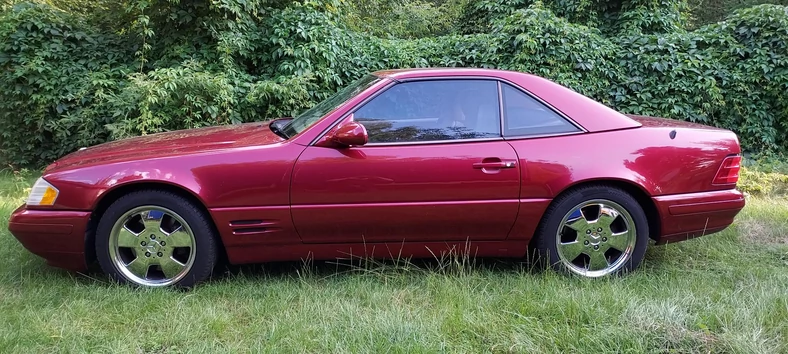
{"x": 729, "y": 171}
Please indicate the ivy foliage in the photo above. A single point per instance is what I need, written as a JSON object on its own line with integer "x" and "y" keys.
{"x": 705, "y": 12}
{"x": 73, "y": 79}
{"x": 57, "y": 76}
{"x": 404, "y": 18}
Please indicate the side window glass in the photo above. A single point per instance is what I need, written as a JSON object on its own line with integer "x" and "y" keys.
{"x": 524, "y": 115}
{"x": 433, "y": 110}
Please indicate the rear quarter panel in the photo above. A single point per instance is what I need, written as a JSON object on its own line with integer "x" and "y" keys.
{"x": 646, "y": 157}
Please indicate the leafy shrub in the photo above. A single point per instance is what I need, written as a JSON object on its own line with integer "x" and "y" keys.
{"x": 190, "y": 97}
{"x": 56, "y": 74}
{"x": 706, "y": 12}
{"x": 759, "y": 79}
{"x": 404, "y": 18}
{"x": 767, "y": 162}
{"x": 755, "y": 182}
{"x": 178, "y": 64}
{"x": 574, "y": 55}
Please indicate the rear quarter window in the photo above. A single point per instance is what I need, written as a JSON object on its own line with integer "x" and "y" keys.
{"x": 525, "y": 116}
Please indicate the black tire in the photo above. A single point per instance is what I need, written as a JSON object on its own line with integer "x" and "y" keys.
{"x": 202, "y": 248}
{"x": 546, "y": 241}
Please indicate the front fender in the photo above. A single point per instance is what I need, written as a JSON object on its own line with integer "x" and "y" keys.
{"x": 257, "y": 176}
{"x": 82, "y": 189}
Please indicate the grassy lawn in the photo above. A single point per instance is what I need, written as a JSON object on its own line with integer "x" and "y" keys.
{"x": 724, "y": 293}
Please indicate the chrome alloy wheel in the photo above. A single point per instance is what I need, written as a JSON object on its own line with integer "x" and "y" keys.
{"x": 152, "y": 246}
{"x": 596, "y": 238}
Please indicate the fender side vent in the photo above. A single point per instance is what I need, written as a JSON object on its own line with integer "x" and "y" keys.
{"x": 254, "y": 227}
{"x": 254, "y": 230}
{"x": 245, "y": 222}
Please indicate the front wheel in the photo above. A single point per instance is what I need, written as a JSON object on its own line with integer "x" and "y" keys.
{"x": 155, "y": 238}
{"x": 593, "y": 232}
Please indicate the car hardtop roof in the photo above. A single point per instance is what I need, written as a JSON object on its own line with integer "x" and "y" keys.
{"x": 593, "y": 116}
{"x": 400, "y": 74}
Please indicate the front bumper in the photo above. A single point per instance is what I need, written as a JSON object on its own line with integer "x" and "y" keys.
{"x": 57, "y": 236}
{"x": 685, "y": 216}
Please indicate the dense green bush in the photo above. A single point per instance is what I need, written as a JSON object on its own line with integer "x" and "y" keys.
{"x": 56, "y": 77}
{"x": 404, "y": 18}
{"x": 705, "y": 12}
{"x": 756, "y": 182}
{"x": 72, "y": 80}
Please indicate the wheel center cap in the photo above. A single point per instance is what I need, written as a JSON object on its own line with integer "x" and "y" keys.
{"x": 153, "y": 246}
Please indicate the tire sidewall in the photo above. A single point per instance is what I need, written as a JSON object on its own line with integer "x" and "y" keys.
{"x": 547, "y": 247}
{"x": 205, "y": 252}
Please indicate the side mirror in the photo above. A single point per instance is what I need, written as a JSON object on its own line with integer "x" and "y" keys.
{"x": 348, "y": 133}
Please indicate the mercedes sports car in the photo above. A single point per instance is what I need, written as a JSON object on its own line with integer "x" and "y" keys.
{"x": 400, "y": 163}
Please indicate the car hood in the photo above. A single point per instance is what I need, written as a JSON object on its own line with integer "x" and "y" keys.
{"x": 168, "y": 144}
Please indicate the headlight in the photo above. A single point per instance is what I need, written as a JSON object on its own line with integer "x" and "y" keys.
{"x": 42, "y": 193}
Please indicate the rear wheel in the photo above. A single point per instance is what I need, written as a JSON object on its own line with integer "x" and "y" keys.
{"x": 593, "y": 232}
{"x": 155, "y": 238}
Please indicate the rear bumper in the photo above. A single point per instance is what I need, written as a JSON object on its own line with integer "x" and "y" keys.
{"x": 685, "y": 216}
{"x": 56, "y": 236}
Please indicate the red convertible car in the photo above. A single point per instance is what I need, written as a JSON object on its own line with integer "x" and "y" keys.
{"x": 401, "y": 163}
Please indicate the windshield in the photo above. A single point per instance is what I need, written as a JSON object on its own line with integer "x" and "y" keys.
{"x": 312, "y": 115}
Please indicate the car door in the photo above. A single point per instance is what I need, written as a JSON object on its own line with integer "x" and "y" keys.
{"x": 435, "y": 169}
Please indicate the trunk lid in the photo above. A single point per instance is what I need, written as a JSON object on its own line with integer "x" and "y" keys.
{"x": 657, "y": 122}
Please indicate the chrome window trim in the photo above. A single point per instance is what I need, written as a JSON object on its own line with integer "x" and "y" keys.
{"x": 538, "y": 136}
{"x": 500, "y": 106}
{"x": 499, "y": 80}
{"x": 433, "y": 142}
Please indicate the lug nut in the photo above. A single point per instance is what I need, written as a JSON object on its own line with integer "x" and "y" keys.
{"x": 159, "y": 254}
{"x": 152, "y": 237}
{"x": 599, "y": 230}
{"x": 596, "y": 247}
{"x": 163, "y": 243}
{"x": 586, "y": 243}
{"x": 604, "y": 239}
{"x": 588, "y": 232}
{"x": 147, "y": 254}
{"x": 143, "y": 243}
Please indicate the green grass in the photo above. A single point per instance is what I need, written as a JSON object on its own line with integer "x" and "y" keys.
{"x": 725, "y": 293}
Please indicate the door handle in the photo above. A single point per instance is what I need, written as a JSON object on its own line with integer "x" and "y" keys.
{"x": 495, "y": 164}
